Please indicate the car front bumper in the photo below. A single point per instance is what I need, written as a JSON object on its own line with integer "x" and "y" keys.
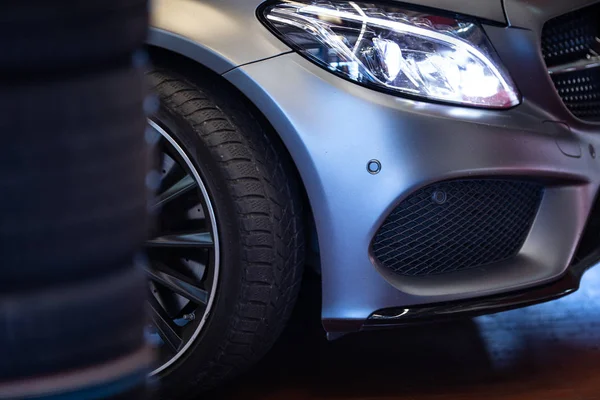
{"x": 333, "y": 128}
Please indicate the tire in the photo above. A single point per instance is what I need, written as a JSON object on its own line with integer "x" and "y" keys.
{"x": 74, "y": 185}
{"x": 40, "y": 36}
{"x": 70, "y": 327}
{"x": 258, "y": 212}
{"x": 73, "y": 179}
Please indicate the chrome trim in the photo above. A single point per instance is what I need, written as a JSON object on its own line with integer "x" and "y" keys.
{"x": 591, "y": 62}
{"x": 213, "y": 222}
{"x": 392, "y": 317}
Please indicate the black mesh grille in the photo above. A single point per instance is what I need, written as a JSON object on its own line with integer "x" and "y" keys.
{"x": 570, "y": 37}
{"x": 573, "y": 38}
{"x": 580, "y": 91}
{"x": 457, "y": 225}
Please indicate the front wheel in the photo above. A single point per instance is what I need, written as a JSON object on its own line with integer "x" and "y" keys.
{"x": 225, "y": 259}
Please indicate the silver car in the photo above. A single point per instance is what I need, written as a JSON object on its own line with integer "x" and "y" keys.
{"x": 425, "y": 158}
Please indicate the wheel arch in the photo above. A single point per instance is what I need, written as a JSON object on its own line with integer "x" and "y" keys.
{"x": 199, "y": 59}
{"x": 219, "y": 34}
{"x": 193, "y": 51}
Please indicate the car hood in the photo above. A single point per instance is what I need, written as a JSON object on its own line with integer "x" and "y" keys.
{"x": 487, "y": 9}
{"x": 532, "y": 14}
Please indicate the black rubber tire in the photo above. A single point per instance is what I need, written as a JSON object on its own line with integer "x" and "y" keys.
{"x": 258, "y": 209}
{"x": 73, "y": 188}
{"x": 44, "y": 36}
{"x": 73, "y": 198}
{"x": 72, "y": 326}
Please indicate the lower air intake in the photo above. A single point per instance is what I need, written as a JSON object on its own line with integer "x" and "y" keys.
{"x": 457, "y": 225}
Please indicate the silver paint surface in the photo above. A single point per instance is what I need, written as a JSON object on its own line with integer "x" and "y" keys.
{"x": 220, "y": 34}
{"x": 417, "y": 143}
{"x": 332, "y": 128}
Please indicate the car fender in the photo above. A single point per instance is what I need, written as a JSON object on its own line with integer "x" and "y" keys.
{"x": 219, "y": 34}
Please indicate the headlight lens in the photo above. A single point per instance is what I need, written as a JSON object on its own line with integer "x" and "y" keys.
{"x": 405, "y": 51}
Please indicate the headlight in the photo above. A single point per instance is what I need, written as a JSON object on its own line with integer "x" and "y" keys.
{"x": 403, "y": 51}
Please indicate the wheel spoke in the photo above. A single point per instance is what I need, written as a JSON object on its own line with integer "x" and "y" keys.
{"x": 203, "y": 239}
{"x": 165, "y": 326}
{"x": 182, "y": 262}
{"x": 178, "y": 283}
{"x": 177, "y": 189}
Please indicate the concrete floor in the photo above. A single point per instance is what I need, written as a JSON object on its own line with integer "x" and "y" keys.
{"x": 546, "y": 352}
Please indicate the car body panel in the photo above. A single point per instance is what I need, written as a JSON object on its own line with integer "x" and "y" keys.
{"x": 333, "y": 127}
{"x": 532, "y": 14}
{"x": 220, "y": 34}
{"x": 332, "y": 145}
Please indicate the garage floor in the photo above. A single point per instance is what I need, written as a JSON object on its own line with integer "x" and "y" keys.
{"x": 545, "y": 352}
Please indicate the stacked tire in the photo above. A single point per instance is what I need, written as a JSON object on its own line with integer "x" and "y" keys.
{"x": 73, "y": 198}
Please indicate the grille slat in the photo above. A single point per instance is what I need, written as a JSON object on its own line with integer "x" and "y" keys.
{"x": 478, "y": 223}
{"x": 575, "y": 38}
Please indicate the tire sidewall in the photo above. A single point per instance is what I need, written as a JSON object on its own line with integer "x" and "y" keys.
{"x": 206, "y": 346}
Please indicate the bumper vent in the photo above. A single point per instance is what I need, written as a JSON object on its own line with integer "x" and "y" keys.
{"x": 457, "y": 225}
{"x": 571, "y": 50}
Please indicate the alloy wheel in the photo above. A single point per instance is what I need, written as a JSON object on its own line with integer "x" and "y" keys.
{"x": 182, "y": 254}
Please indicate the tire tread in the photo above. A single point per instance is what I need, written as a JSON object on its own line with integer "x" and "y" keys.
{"x": 270, "y": 214}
